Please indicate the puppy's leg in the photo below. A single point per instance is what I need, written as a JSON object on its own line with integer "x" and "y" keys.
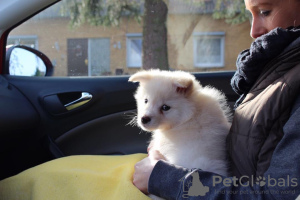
{"x": 150, "y": 146}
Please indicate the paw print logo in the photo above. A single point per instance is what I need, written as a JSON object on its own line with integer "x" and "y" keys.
{"x": 261, "y": 181}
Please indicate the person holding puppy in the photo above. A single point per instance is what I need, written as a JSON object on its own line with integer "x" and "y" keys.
{"x": 264, "y": 138}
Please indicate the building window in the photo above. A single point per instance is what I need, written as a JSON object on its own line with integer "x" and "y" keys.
{"x": 209, "y": 49}
{"x": 88, "y": 56}
{"x": 134, "y": 50}
{"x": 27, "y": 40}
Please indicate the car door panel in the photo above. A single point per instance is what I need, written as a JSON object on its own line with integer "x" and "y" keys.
{"x": 111, "y": 134}
{"x": 15, "y": 104}
{"x": 110, "y": 95}
{"x": 99, "y": 127}
{"x": 111, "y": 98}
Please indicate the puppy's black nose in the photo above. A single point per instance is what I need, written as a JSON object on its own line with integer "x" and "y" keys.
{"x": 146, "y": 119}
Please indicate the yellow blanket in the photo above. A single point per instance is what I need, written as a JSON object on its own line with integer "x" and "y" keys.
{"x": 74, "y": 178}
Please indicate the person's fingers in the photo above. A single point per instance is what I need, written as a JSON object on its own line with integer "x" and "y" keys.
{"x": 141, "y": 174}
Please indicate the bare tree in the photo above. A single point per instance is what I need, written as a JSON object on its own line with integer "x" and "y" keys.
{"x": 155, "y": 52}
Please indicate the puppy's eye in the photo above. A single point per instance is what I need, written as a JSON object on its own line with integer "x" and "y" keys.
{"x": 165, "y": 108}
{"x": 146, "y": 101}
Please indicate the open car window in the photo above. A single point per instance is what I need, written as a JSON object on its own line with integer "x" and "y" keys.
{"x": 122, "y": 37}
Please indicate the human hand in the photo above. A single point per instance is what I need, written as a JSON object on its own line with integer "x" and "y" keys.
{"x": 144, "y": 168}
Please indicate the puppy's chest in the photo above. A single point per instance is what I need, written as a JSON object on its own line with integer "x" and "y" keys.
{"x": 177, "y": 151}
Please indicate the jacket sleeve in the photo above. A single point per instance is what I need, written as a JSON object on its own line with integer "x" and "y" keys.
{"x": 281, "y": 180}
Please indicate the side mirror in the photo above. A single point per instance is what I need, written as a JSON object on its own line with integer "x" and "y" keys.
{"x": 25, "y": 61}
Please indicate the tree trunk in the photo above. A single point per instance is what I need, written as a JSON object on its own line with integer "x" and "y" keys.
{"x": 155, "y": 51}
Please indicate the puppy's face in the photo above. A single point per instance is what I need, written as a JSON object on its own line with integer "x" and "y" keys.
{"x": 162, "y": 103}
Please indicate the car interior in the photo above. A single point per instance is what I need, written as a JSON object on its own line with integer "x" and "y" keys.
{"x": 45, "y": 116}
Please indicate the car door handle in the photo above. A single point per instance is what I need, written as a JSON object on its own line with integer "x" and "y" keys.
{"x": 85, "y": 97}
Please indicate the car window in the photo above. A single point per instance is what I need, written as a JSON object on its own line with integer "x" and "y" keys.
{"x": 102, "y": 38}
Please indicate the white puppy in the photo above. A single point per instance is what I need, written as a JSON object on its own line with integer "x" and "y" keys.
{"x": 189, "y": 123}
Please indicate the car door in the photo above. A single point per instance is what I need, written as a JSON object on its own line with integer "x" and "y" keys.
{"x": 44, "y": 118}
{"x": 99, "y": 127}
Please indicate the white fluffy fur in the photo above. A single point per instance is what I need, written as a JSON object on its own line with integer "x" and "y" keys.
{"x": 193, "y": 131}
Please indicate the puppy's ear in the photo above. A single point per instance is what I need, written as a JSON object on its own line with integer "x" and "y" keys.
{"x": 141, "y": 77}
{"x": 184, "y": 86}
